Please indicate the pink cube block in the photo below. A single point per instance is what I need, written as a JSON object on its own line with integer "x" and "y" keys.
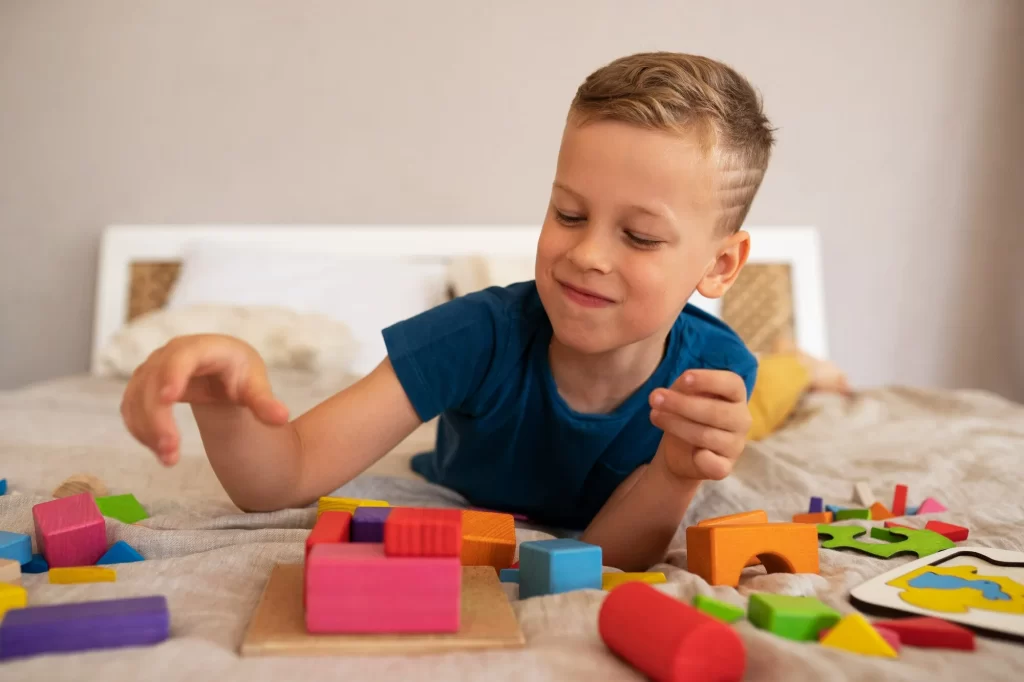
{"x": 70, "y": 531}
{"x": 355, "y": 588}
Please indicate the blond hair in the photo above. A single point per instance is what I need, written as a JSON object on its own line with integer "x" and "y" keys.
{"x": 688, "y": 94}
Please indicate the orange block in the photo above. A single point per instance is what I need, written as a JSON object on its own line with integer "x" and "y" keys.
{"x": 488, "y": 539}
{"x": 879, "y": 512}
{"x": 814, "y": 517}
{"x": 743, "y": 518}
{"x": 719, "y": 553}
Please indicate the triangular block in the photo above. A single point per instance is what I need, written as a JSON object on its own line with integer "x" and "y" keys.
{"x": 930, "y": 506}
{"x": 953, "y": 532}
{"x": 879, "y": 512}
{"x": 930, "y": 632}
{"x": 889, "y": 636}
{"x": 120, "y": 553}
{"x": 855, "y": 634}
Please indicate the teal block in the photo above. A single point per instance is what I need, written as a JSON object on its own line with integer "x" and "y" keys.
{"x": 119, "y": 553}
{"x": 16, "y": 546}
{"x": 509, "y": 575}
{"x": 833, "y": 508}
{"x": 36, "y": 565}
{"x": 557, "y": 566}
{"x": 3, "y": 486}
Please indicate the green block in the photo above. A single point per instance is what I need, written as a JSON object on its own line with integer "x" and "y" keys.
{"x": 124, "y": 508}
{"x": 797, "y": 618}
{"x": 906, "y": 541}
{"x": 845, "y": 514}
{"x": 721, "y": 610}
{"x": 885, "y": 534}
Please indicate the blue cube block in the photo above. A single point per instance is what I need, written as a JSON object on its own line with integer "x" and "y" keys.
{"x": 509, "y": 575}
{"x": 15, "y": 546}
{"x": 37, "y": 565}
{"x": 368, "y": 524}
{"x": 815, "y": 505}
{"x": 119, "y": 553}
{"x": 556, "y": 566}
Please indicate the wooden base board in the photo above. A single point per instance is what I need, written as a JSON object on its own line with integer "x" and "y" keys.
{"x": 278, "y": 626}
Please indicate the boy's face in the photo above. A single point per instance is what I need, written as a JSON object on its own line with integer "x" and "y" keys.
{"x": 630, "y": 233}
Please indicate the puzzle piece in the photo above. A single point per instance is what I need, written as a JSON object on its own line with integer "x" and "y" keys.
{"x": 556, "y": 566}
{"x": 855, "y": 634}
{"x": 82, "y": 574}
{"x": 931, "y": 506}
{"x": 16, "y": 547}
{"x": 813, "y": 518}
{"x": 953, "y": 532}
{"x": 847, "y": 514}
{"x": 120, "y": 553}
{"x": 918, "y": 542}
{"x": 723, "y": 611}
{"x": 124, "y": 508}
{"x": 929, "y": 633}
{"x": 610, "y": 581}
{"x": 796, "y": 618}
{"x": 12, "y": 597}
{"x": 958, "y": 589}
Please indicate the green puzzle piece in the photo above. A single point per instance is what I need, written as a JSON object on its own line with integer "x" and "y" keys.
{"x": 721, "y": 610}
{"x": 798, "y": 618}
{"x": 907, "y": 540}
{"x": 124, "y": 508}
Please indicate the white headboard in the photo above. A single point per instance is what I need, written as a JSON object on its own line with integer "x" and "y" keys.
{"x": 123, "y": 245}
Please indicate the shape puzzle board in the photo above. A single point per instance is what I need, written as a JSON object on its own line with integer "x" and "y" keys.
{"x": 278, "y": 626}
{"x": 978, "y": 587}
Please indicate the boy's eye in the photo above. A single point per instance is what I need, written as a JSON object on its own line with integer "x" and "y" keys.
{"x": 642, "y": 242}
{"x": 567, "y": 219}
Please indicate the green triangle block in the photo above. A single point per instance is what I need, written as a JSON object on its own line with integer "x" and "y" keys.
{"x": 721, "y": 610}
{"x": 844, "y": 514}
{"x": 797, "y": 618}
{"x": 124, "y": 508}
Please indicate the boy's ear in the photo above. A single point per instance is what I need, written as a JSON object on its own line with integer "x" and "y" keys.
{"x": 723, "y": 271}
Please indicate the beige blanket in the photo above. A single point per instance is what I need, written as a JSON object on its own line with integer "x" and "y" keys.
{"x": 967, "y": 449}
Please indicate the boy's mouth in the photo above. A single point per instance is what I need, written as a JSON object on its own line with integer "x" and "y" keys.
{"x": 584, "y": 297}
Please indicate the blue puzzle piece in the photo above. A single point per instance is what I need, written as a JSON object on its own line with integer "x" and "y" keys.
{"x": 556, "y": 566}
{"x": 119, "y": 553}
{"x": 3, "y": 486}
{"x": 815, "y": 505}
{"x": 509, "y": 575}
{"x": 15, "y": 546}
{"x": 36, "y": 565}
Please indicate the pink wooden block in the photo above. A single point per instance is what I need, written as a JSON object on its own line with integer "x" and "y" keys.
{"x": 70, "y": 531}
{"x": 355, "y": 588}
{"x": 930, "y": 506}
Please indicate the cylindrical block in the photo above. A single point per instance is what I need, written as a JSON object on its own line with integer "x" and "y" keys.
{"x": 667, "y": 640}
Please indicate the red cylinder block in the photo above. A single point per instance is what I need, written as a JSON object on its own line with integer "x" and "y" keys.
{"x": 667, "y": 640}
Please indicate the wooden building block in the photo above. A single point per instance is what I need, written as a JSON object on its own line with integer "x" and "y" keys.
{"x": 330, "y": 527}
{"x": 120, "y": 553}
{"x": 368, "y": 524}
{"x": 890, "y": 637}
{"x": 718, "y": 554}
{"x": 879, "y": 512}
{"x": 815, "y": 518}
{"x": 36, "y": 565}
{"x": 355, "y": 588}
{"x": 931, "y": 506}
{"x": 951, "y": 531}
{"x": 3, "y": 486}
{"x": 12, "y": 597}
{"x": 70, "y": 531}
{"x": 835, "y": 509}
{"x": 929, "y": 633}
{"x": 863, "y": 494}
{"x": 723, "y": 611}
{"x": 797, "y": 618}
{"x": 278, "y": 626}
{"x": 742, "y": 518}
{"x": 609, "y": 581}
{"x": 80, "y": 483}
{"x": 509, "y": 575}
{"x": 667, "y": 640}
{"x": 82, "y": 574}
{"x": 84, "y": 626}
{"x": 124, "y": 508}
{"x": 855, "y": 634}
{"x": 16, "y": 547}
{"x": 348, "y": 504}
{"x": 10, "y": 571}
{"x": 423, "y": 532}
{"x": 488, "y": 539}
{"x": 908, "y": 541}
{"x": 557, "y": 566}
{"x": 893, "y": 524}
{"x": 816, "y": 506}
{"x": 899, "y": 501}
{"x": 847, "y": 514}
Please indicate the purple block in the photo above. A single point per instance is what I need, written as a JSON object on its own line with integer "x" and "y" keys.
{"x": 83, "y": 626}
{"x": 368, "y": 524}
{"x": 815, "y": 505}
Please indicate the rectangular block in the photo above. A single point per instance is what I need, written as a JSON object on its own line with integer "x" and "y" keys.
{"x": 509, "y": 575}
{"x": 82, "y": 574}
{"x": 10, "y": 571}
{"x": 84, "y": 626}
{"x": 742, "y": 518}
{"x": 488, "y": 539}
{"x": 846, "y": 514}
{"x": 423, "y": 532}
{"x": 368, "y": 524}
{"x": 863, "y": 493}
{"x": 70, "y": 531}
{"x": 12, "y": 597}
{"x": 556, "y": 566}
{"x": 835, "y": 509}
{"x": 355, "y": 588}
{"x": 899, "y": 501}
{"x": 951, "y": 531}
{"x": 330, "y": 527}
{"x": 816, "y": 505}
{"x": 3, "y": 486}
{"x": 611, "y": 580}
{"x": 16, "y": 547}
{"x": 124, "y": 508}
{"x": 348, "y": 504}
{"x": 815, "y": 518}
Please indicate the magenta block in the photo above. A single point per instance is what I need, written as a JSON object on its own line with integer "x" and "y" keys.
{"x": 70, "y": 531}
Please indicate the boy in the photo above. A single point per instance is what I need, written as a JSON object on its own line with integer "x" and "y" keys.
{"x": 591, "y": 398}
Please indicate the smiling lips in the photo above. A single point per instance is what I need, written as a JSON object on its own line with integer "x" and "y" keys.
{"x": 585, "y": 297}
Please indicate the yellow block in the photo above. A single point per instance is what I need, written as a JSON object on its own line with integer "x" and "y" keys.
{"x": 610, "y": 581}
{"x": 82, "y": 574}
{"x": 12, "y": 597}
{"x": 348, "y": 504}
{"x": 854, "y": 633}
{"x": 10, "y": 571}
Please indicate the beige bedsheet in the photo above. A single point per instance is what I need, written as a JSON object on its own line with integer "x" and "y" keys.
{"x": 211, "y": 562}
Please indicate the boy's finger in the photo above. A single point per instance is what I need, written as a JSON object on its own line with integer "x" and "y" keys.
{"x": 160, "y": 433}
{"x": 728, "y": 416}
{"x": 175, "y": 375}
{"x": 722, "y": 383}
{"x": 259, "y": 397}
{"x": 712, "y": 466}
{"x": 718, "y": 441}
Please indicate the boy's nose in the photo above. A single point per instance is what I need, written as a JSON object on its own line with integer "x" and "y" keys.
{"x": 591, "y": 251}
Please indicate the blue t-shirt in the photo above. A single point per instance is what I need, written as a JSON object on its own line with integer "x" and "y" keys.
{"x": 506, "y": 439}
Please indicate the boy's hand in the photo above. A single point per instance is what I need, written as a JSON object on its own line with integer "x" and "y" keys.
{"x": 201, "y": 369}
{"x": 705, "y": 419}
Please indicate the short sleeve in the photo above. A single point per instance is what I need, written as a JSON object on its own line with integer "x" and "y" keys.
{"x": 443, "y": 356}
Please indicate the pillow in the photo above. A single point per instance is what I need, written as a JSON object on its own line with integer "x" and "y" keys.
{"x": 365, "y": 294}
{"x": 284, "y": 338}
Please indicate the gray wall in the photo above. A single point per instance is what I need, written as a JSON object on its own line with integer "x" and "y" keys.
{"x": 900, "y": 137}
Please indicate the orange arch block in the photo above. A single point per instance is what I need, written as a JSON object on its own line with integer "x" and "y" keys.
{"x": 743, "y": 518}
{"x": 719, "y": 553}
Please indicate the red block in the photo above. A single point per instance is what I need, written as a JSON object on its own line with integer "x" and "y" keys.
{"x": 412, "y": 532}
{"x": 332, "y": 526}
{"x": 929, "y": 632}
{"x": 893, "y": 524}
{"x": 953, "y": 532}
{"x": 899, "y": 501}
{"x": 667, "y": 640}
{"x": 70, "y": 531}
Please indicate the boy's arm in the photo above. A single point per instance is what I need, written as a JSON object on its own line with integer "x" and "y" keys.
{"x": 264, "y": 467}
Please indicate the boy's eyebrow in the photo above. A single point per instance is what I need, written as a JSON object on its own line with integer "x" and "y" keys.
{"x": 632, "y": 208}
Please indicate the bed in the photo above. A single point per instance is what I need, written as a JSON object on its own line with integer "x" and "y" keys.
{"x": 211, "y": 561}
